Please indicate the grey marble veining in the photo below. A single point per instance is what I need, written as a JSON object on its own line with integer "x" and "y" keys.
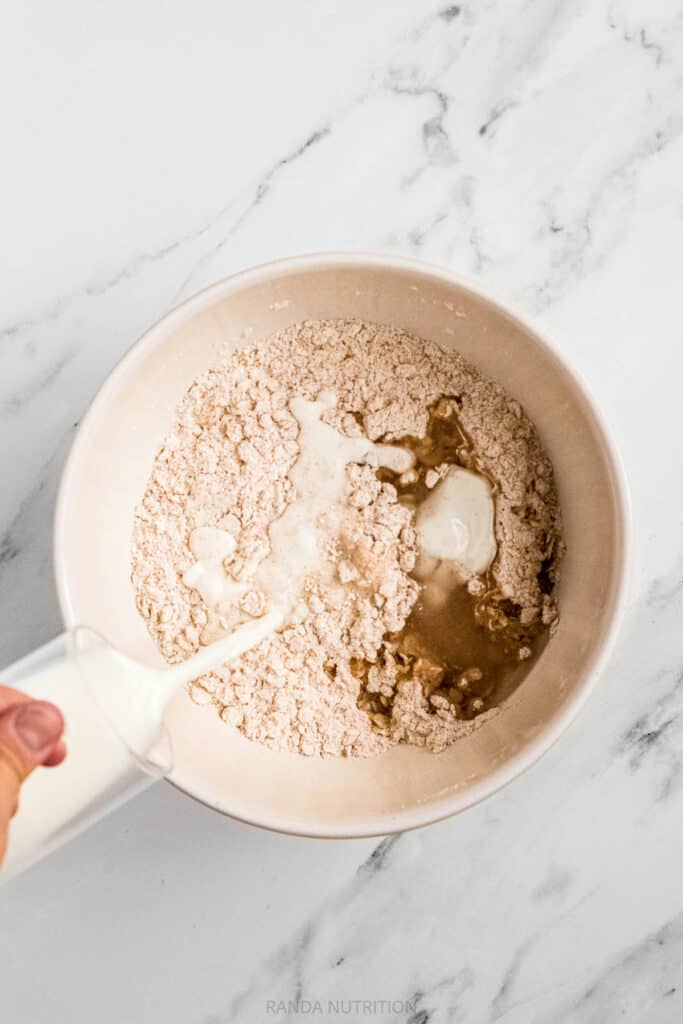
{"x": 537, "y": 143}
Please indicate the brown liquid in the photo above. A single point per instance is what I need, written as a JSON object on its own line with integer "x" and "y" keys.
{"x": 472, "y": 649}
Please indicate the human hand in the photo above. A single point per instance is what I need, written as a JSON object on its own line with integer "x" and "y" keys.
{"x": 30, "y": 735}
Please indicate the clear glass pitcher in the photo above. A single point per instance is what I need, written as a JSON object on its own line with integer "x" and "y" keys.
{"x": 116, "y": 747}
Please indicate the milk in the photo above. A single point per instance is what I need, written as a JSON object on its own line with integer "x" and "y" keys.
{"x": 319, "y": 477}
{"x": 456, "y": 522}
{"x": 298, "y": 536}
{"x": 113, "y": 710}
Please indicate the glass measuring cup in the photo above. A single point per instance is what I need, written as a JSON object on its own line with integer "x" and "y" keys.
{"x": 116, "y": 748}
{"x": 117, "y": 744}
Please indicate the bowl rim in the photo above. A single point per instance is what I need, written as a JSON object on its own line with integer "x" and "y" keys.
{"x": 429, "y": 812}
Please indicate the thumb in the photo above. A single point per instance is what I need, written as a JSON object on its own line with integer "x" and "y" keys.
{"x": 28, "y": 733}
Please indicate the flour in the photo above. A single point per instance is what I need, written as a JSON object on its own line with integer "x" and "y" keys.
{"x": 333, "y": 682}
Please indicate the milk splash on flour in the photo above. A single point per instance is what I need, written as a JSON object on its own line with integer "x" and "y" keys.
{"x": 312, "y": 519}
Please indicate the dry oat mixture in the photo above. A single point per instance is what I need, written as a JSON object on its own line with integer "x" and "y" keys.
{"x": 340, "y": 680}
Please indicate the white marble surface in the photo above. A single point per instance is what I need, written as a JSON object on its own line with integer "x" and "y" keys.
{"x": 150, "y": 148}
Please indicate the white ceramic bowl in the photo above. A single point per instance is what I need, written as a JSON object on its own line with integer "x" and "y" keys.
{"x": 106, "y": 476}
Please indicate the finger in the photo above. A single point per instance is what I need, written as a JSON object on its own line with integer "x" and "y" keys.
{"x": 10, "y": 698}
{"x": 29, "y": 733}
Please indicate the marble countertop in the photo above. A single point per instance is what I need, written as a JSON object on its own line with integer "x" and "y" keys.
{"x": 149, "y": 149}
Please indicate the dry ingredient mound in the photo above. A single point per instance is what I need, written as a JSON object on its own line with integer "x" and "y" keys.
{"x": 226, "y": 463}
